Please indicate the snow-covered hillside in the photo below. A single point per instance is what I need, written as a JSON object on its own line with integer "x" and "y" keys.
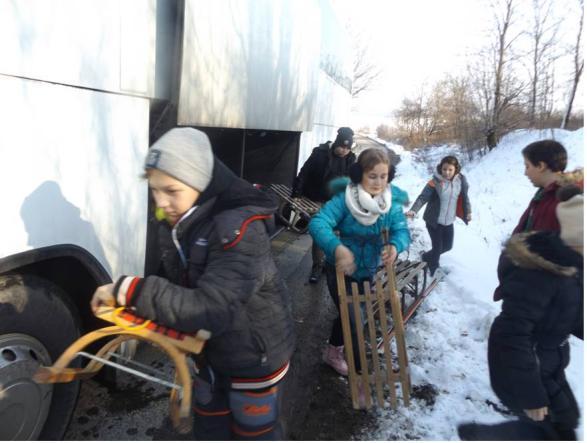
{"x": 447, "y": 341}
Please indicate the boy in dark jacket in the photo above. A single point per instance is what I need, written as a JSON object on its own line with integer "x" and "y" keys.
{"x": 542, "y": 290}
{"x": 544, "y": 161}
{"x": 327, "y": 162}
{"x": 217, "y": 274}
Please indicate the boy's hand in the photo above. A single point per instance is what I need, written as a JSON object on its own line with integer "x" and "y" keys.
{"x": 410, "y": 214}
{"x": 389, "y": 254}
{"x": 345, "y": 260}
{"x": 537, "y": 414}
{"x": 103, "y": 296}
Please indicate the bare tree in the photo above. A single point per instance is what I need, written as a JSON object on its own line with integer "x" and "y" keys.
{"x": 543, "y": 35}
{"x": 365, "y": 71}
{"x": 507, "y": 88}
{"x": 578, "y": 65}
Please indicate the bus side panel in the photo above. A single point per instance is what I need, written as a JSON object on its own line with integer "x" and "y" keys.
{"x": 99, "y": 44}
{"x": 333, "y": 102}
{"x": 250, "y": 64}
{"x": 71, "y": 165}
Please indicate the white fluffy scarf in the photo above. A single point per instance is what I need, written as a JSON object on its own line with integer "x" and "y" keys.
{"x": 364, "y": 208}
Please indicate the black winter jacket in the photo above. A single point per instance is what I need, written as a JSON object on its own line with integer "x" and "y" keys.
{"x": 321, "y": 167}
{"x": 228, "y": 284}
{"x": 528, "y": 349}
{"x": 429, "y": 196}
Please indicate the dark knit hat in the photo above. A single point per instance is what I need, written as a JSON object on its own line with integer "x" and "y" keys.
{"x": 183, "y": 153}
{"x": 344, "y": 137}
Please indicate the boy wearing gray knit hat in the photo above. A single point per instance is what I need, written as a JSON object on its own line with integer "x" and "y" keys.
{"x": 216, "y": 273}
{"x": 185, "y": 154}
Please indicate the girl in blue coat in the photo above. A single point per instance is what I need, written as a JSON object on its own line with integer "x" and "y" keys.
{"x": 360, "y": 215}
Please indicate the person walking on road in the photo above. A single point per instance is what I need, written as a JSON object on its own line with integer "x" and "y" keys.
{"x": 327, "y": 162}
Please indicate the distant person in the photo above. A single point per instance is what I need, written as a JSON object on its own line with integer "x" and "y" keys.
{"x": 327, "y": 162}
{"x": 218, "y": 274}
{"x": 360, "y": 214}
{"x": 447, "y": 197}
{"x": 542, "y": 290}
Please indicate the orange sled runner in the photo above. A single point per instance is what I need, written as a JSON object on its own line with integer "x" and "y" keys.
{"x": 177, "y": 345}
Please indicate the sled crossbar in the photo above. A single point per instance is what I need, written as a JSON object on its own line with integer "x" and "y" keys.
{"x": 127, "y": 327}
{"x": 301, "y": 209}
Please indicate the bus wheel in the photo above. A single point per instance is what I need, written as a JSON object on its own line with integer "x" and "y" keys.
{"x": 37, "y": 323}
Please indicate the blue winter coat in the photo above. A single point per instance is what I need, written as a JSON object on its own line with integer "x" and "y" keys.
{"x": 365, "y": 242}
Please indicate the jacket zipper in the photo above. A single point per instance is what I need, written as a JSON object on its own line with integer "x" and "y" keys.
{"x": 182, "y": 256}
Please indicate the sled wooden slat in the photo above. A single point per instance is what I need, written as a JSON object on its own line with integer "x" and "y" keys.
{"x": 399, "y": 336}
{"x": 386, "y": 347}
{"x": 373, "y": 341}
{"x": 348, "y": 343}
{"x": 361, "y": 344}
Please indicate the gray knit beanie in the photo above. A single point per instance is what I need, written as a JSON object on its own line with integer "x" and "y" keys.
{"x": 183, "y": 153}
{"x": 570, "y": 217}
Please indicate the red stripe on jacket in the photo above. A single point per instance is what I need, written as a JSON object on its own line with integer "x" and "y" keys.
{"x": 243, "y": 229}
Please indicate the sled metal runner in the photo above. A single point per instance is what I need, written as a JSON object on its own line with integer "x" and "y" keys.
{"x": 127, "y": 327}
{"x": 294, "y": 212}
{"x": 413, "y": 286}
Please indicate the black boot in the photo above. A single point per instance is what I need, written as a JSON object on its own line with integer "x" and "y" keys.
{"x": 315, "y": 274}
{"x": 517, "y": 430}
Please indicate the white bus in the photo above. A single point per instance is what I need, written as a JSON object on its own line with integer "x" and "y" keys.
{"x": 86, "y": 86}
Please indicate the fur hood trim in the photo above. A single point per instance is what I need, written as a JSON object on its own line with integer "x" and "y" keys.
{"x": 518, "y": 250}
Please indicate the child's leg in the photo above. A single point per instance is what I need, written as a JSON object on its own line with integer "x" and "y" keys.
{"x": 336, "y": 337}
{"x": 212, "y": 415}
{"x": 431, "y": 257}
{"x": 447, "y": 237}
{"x": 256, "y": 413}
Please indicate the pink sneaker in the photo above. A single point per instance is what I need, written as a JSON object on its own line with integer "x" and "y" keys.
{"x": 334, "y": 357}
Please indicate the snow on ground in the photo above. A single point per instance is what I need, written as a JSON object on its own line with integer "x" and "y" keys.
{"x": 447, "y": 340}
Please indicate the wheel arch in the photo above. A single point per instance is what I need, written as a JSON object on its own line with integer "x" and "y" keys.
{"x": 75, "y": 270}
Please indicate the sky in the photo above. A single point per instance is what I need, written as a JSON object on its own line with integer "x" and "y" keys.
{"x": 417, "y": 42}
{"x": 447, "y": 340}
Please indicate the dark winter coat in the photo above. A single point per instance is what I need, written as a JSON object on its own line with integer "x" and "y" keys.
{"x": 321, "y": 167}
{"x": 528, "y": 348}
{"x": 229, "y": 284}
{"x": 540, "y": 215}
{"x": 429, "y": 196}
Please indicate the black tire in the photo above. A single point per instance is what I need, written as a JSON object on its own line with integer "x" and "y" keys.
{"x": 38, "y": 308}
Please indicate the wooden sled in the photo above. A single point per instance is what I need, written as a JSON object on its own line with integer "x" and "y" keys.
{"x": 177, "y": 345}
{"x": 294, "y": 212}
{"x": 373, "y": 312}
